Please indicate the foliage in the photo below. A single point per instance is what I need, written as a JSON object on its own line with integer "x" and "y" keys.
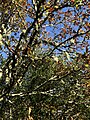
{"x": 44, "y": 59}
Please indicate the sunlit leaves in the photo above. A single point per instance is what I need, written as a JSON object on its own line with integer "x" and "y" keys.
{"x": 0, "y": 73}
{"x": 35, "y": 4}
{"x": 72, "y": 41}
{"x": 68, "y": 56}
{"x": 86, "y": 65}
{"x": 44, "y": 41}
{"x": 1, "y": 39}
{"x": 55, "y": 58}
{"x": 77, "y": 1}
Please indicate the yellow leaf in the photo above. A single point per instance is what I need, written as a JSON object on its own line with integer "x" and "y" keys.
{"x": 72, "y": 40}
{"x": 37, "y": 27}
{"x": 56, "y": 6}
{"x": 73, "y": 21}
{"x": 86, "y": 65}
{"x": 0, "y": 37}
{"x": 62, "y": 82}
{"x": 55, "y": 58}
{"x": 81, "y": 31}
{"x": 24, "y": 30}
{"x": 1, "y": 99}
{"x": 68, "y": 56}
{"x": 1, "y": 43}
{"x": 29, "y": 110}
{"x": 0, "y": 73}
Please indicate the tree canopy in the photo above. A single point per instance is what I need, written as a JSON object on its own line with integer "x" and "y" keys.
{"x": 44, "y": 59}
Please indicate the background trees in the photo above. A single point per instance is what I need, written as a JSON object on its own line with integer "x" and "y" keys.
{"x": 44, "y": 59}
